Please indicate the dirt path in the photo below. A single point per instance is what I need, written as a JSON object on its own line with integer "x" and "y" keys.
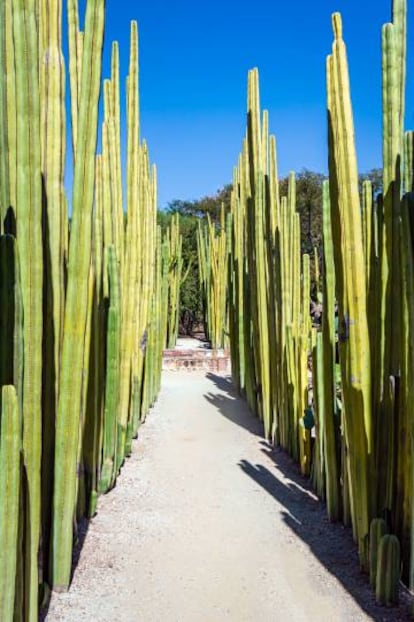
{"x": 207, "y": 523}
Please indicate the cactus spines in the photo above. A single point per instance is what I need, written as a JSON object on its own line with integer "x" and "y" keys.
{"x": 388, "y": 570}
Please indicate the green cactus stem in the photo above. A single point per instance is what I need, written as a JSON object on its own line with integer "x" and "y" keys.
{"x": 70, "y": 387}
{"x": 388, "y": 570}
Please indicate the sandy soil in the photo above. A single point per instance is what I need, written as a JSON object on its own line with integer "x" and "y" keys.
{"x": 208, "y": 523}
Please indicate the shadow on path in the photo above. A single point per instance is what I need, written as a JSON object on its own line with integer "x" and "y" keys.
{"x": 304, "y": 514}
{"x": 232, "y": 406}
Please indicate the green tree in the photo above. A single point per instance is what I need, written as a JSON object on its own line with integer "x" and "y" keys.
{"x": 375, "y": 176}
{"x": 201, "y": 207}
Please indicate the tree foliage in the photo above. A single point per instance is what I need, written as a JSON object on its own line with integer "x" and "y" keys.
{"x": 201, "y": 207}
{"x": 309, "y": 206}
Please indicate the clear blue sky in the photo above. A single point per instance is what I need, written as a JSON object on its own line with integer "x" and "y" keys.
{"x": 194, "y": 58}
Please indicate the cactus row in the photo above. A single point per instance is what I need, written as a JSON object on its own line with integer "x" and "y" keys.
{"x": 174, "y": 242}
{"x": 270, "y": 281}
{"x": 83, "y": 290}
{"x": 213, "y": 251}
{"x": 337, "y": 396}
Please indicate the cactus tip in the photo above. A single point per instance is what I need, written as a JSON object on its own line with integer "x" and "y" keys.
{"x": 337, "y": 25}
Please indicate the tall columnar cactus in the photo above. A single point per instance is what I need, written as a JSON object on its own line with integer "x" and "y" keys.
{"x": 213, "y": 266}
{"x": 367, "y": 215}
{"x": 409, "y": 161}
{"x": 116, "y": 111}
{"x": 175, "y": 279}
{"x": 11, "y": 372}
{"x": 112, "y": 374}
{"x": 151, "y": 245}
{"x": 4, "y": 147}
{"x": 70, "y": 386}
{"x": 393, "y": 84}
{"x": 328, "y": 394}
{"x": 155, "y": 336}
{"x": 29, "y": 236}
{"x": 351, "y": 290}
{"x": 318, "y": 462}
{"x": 11, "y": 316}
{"x": 304, "y": 349}
{"x": 403, "y": 501}
{"x": 81, "y": 483}
{"x": 131, "y": 245}
{"x": 53, "y": 153}
{"x": 94, "y": 416}
{"x": 236, "y": 287}
{"x": 10, "y": 482}
{"x": 75, "y": 67}
{"x": 8, "y": 128}
{"x": 256, "y": 213}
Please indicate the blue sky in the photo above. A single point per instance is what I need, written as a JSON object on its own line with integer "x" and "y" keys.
{"x": 194, "y": 59}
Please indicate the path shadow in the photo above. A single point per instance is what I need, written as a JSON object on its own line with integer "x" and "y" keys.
{"x": 224, "y": 383}
{"x": 231, "y": 405}
{"x": 331, "y": 543}
{"x": 305, "y": 515}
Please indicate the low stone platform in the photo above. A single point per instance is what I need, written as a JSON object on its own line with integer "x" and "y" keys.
{"x": 195, "y": 359}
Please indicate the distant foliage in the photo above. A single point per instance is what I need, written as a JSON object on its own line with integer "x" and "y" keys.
{"x": 309, "y": 206}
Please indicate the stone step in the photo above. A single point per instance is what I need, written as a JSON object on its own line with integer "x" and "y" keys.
{"x": 196, "y": 359}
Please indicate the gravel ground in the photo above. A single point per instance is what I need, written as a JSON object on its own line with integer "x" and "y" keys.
{"x": 208, "y": 523}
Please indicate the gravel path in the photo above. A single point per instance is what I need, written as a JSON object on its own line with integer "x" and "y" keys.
{"x": 207, "y": 523}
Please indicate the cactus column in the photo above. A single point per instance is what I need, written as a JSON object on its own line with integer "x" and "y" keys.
{"x": 351, "y": 290}
{"x": 10, "y": 481}
{"x": 53, "y": 145}
{"x": 131, "y": 244}
{"x": 70, "y": 386}
{"x": 29, "y": 236}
